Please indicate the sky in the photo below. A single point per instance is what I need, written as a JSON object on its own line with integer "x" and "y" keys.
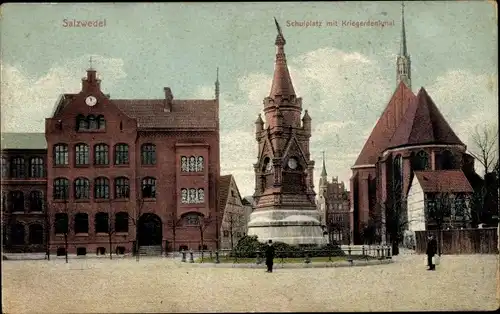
{"x": 345, "y": 74}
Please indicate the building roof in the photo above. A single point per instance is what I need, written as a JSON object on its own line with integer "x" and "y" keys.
{"x": 442, "y": 181}
{"x": 185, "y": 114}
{"x": 423, "y": 123}
{"x": 23, "y": 141}
{"x": 224, "y": 186}
{"x": 379, "y": 139}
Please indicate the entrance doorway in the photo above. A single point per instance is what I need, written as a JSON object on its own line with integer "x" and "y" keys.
{"x": 150, "y": 230}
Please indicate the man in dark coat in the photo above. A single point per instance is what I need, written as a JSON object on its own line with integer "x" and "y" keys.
{"x": 270, "y": 256}
{"x": 431, "y": 251}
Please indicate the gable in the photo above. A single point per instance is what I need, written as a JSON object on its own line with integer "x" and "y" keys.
{"x": 267, "y": 150}
{"x": 293, "y": 147}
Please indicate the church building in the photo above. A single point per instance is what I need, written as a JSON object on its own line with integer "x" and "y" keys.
{"x": 410, "y": 136}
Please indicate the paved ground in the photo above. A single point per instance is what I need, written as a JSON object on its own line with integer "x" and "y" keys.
{"x": 166, "y": 285}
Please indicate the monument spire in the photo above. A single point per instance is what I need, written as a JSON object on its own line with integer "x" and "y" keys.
{"x": 403, "y": 60}
{"x": 282, "y": 82}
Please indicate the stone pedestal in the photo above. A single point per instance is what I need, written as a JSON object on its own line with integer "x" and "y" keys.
{"x": 292, "y": 226}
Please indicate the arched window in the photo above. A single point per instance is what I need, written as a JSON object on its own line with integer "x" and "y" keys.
{"x": 447, "y": 160}
{"x": 81, "y": 123}
{"x": 35, "y": 234}
{"x": 36, "y": 167}
{"x": 192, "y": 164}
{"x": 17, "y": 167}
{"x": 17, "y": 234}
{"x": 184, "y": 196}
{"x": 101, "y": 154}
{"x": 148, "y": 154}
{"x": 121, "y": 222}
{"x": 61, "y": 189}
{"x": 16, "y": 201}
{"x": 101, "y": 122}
{"x": 184, "y": 164}
{"x": 5, "y": 167}
{"x": 397, "y": 171}
{"x": 92, "y": 122}
{"x": 121, "y": 154}
{"x": 200, "y": 164}
{"x": 101, "y": 188}
{"x": 81, "y": 223}
{"x": 267, "y": 165}
{"x": 61, "y": 223}
{"x": 61, "y": 155}
{"x": 420, "y": 161}
{"x": 36, "y": 201}
{"x": 148, "y": 187}
{"x": 101, "y": 223}
{"x": 192, "y": 219}
{"x": 82, "y": 153}
{"x": 122, "y": 188}
{"x": 82, "y": 188}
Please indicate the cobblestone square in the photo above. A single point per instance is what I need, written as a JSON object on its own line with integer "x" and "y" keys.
{"x": 166, "y": 285}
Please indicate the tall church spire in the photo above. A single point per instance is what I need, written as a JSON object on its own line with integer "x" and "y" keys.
{"x": 403, "y": 61}
{"x": 323, "y": 172}
{"x": 282, "y": 83}
{"x": 217, "y": 91}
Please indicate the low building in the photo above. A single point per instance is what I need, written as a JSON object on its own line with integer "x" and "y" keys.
{"x": 24, "y": 191}
{"x": 234, "y": 220}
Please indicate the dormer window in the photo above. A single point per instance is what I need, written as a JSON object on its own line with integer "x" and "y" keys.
{"x": 90, "y": 122}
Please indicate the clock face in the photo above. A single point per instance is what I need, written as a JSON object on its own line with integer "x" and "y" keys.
{"x": 292, "y": 163}
{"x": 269, "y": 166}
{"x": 91, "y": 101}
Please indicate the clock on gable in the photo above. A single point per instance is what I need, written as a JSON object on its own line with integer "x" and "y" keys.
{"x": 91, "y": 101}
{"x": 292, "y": 163}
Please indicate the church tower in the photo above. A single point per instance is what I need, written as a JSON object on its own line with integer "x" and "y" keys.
{"x": 403, "y": 60}
{"x": 284, "y": 189}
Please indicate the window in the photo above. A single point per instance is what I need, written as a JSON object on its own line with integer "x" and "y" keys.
{"x": 17, "y": 167}
{"x": 101, "y": 223}
{"x": 18, "y": 233}
{"x": 16, "y": 201}
{"x": 122, "y": 188}
{"x": 192, "y": 196}
{"x": 184, "y": 164}
{"x": 82, "y": 153}
{"x": 81, "y": 123}
{"x": 81, "y": 251}
{"x": 101, "y": 154}
{"x": 36, "y": 201}
{"x": 82, "y": 188}
{"x": 148, "y": 154}
{"x": 61, "y": 189}
{"x": 5, "y": 167}
{"x": 447, "y": 160}
{"x": 101, "y": 122}
{"x": 420, "y": 161}
{"x": 148, "y": 187}
{"x": 192, "y": 164}
{"x": 61, "y": 223}
{"x": 36, "y": 167}
{"x": 81, "y": 223}
{"x": 397, "y": 170}
{"x": 121, "y": 154}
{"x": 92, "y": 122}
{"x": 121, "y": 222}
{"x": 61, "y": 155}
{"x": 226, "y": 233}
{"x": 101, "y": 188}
{"x": 35, "y": 234}
{"x": 192, "y": 219}
{"x": 199, "y": 164}
{"x": 459, "y": 206}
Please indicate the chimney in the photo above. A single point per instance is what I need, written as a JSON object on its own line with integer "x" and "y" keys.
{"x": 169, "y": 97}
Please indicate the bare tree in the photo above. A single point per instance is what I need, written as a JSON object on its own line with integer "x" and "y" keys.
{"x": 203, "y": 223}
{"x": 485, "y": 150}
{"x": 134, "y": 219}
{"x": 174, "y": 223}
{"x": 439, "y": 211}
{"x": 62, "y": 225}
{"x": 110, "y": 230}
{"x": 234, "y": 223}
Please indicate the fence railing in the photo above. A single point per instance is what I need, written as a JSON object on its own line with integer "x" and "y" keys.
{"x": 349, "y": 254}
{"x": 461, "y": 241}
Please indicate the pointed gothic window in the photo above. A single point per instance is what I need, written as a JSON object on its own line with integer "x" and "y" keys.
{"x": 397, "y": 170}
{"x": 447, "y": 160}
{"x": 420, "y": 161}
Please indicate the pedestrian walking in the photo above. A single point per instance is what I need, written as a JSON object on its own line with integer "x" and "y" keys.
{"x": 270, "y": 256}
{"x": 431, "y": 252}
